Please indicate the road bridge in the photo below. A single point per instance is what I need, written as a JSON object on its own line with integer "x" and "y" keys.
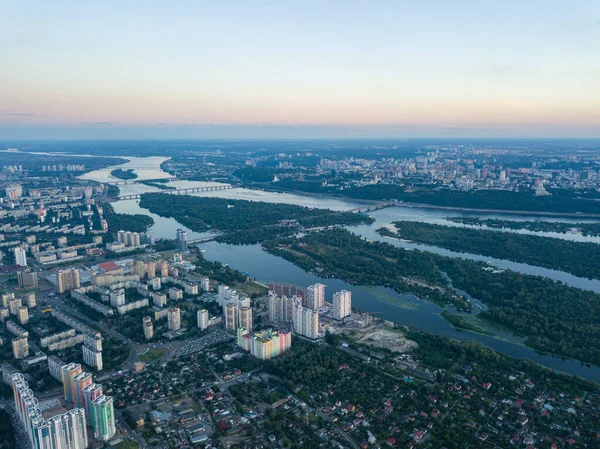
{"x": 371, "y": 207}
{"x": 182, "y": 191}
{"x": 136, "y": 181}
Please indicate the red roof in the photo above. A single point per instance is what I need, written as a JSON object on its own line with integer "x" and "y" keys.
{"x": 109, "y": 266}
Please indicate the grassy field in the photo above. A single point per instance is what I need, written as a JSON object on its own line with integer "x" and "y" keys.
{"x": 252, "y": 288}
{"x": 127, "y": 444}
{"x": 151, "y": 355}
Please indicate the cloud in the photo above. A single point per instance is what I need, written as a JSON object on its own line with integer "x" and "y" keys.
{"x": 100, "y": 123}
{"x": 483, "y": 128}
{"x": 20, "y": 114}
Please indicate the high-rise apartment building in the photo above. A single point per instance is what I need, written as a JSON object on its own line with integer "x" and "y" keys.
{"x": 342, "y": 304}
{"x": 245, "y": 316}
{"x": 315, "y": 296}
{"x": 288, "y": 290}
{"x": 14, "y": 305}
{"x": 281, "y": 308}
{"x": 81, "y": 381}
{"x": 103, "y": 417}
{"x": 90, "y": 393}
{"x": 151, "y": 270}
{"x": 266, "y": 344}
{"x": 306, "y": 322}
{"x": 20, "y": 347}
{"x": 93, "y": 340}
{"x": 117, "y": 297}
{"x": 92, "y": 357}
{"x": 148, "y": 327}
{"x": 30, "y": 300}
{"x": 23, "y": 315}
{"x": 67, "y": 280}
{"x": 55, "y": 366}
{"x": 231, "y": 316}
{"x": 181, "y": 240}
{"x": 174, "y": 318}
{"x": 6, "y": 297}
{"x": 206, "y": 284}
{"x": 66, "y": 431}
{"x": 203, "y": 319}
{"x": 20, "y": 257}
{"x": 68, "y": 374}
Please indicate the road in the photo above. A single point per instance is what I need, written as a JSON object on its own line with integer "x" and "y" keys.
{"x": 60, "y": 304}
{"x": 127, "y": 430}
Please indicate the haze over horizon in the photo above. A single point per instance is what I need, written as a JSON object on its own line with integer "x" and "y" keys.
{"x": 388, "y": 69}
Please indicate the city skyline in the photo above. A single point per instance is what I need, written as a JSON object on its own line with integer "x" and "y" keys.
{"x": 335, "y": 70}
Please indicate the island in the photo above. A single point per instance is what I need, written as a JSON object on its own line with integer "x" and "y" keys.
{"x": 124, "y": 174}
{"x": 242, "y": 221}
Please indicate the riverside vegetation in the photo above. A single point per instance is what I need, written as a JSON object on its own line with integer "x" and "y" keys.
{"x": 553, "y": 317}
{"x": 578, "y": 258}
{"x": 587, "y": 229}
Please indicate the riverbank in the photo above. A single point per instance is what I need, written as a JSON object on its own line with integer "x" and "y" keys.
{"x": 425, "y": 205}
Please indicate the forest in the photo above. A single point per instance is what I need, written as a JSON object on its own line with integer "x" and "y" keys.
{"x": 553, "y": 317}
{"x": 126, "y": 222}
{"x": 587, "y": 229}
{"x": 578, "y": 258}
{"x": 244, "y": 222}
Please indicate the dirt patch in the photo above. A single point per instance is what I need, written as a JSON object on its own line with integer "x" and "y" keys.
{"x": 383, "y": 338}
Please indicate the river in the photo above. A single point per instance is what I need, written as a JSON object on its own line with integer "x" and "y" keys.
{"x": 386, "y": 303}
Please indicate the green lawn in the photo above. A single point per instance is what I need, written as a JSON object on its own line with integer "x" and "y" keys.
{"x": 152, "y": 354}
{"x": 127, "y": 444}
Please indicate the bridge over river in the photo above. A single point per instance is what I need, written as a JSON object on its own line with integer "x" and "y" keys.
{"x": 182, "y": 191}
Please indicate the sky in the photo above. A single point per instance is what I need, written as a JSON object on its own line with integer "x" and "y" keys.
{"x": 276, "y": 69}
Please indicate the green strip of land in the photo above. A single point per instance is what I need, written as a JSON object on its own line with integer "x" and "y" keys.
{"x": 244, "y": 222}
{"x": 587, "y": 229}
{"x": 578, "y": 258}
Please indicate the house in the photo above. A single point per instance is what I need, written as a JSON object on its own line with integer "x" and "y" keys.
{"x": 522, "y": 419}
